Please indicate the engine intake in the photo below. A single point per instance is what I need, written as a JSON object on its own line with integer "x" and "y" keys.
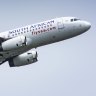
{"x": 23, "y": 59}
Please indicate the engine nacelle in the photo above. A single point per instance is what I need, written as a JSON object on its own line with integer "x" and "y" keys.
{"x": 23, "y": 59}
{"x": 13, "y": 43}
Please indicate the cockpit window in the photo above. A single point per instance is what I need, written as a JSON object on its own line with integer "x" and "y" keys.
{"x": 75, "y": 19}
{"x": 72, "y": 20}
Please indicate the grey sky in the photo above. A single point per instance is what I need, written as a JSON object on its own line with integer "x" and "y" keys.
{"x": 66, "y": 68}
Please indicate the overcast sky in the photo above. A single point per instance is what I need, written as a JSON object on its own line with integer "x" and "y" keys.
{"x": 66, "y": 68}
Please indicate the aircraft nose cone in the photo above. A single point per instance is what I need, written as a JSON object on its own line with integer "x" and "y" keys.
{"x": 87, "y": 25}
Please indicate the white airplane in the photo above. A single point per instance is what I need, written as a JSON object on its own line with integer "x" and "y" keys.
{"x": 16, "y": 45}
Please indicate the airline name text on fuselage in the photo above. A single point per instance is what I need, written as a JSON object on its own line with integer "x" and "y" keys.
{"x": 35, "y": 28}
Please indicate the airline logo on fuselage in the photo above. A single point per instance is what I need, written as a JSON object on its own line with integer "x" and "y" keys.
{"x": 35, "y": 28}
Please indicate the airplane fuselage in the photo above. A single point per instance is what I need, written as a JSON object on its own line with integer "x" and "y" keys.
{"x": 49, "y": 31}
{"x": 46, "y": 32}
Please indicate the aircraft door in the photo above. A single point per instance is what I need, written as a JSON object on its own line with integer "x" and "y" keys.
{"x": 60, "y": 24}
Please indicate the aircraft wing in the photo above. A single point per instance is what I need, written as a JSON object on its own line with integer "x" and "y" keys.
{"x": 2, "y": 58}
{"x": 2, "y": 39}
{"x": 2, "y": 54}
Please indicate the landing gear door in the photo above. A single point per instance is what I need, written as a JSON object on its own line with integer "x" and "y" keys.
{"x": 60, "y": 24}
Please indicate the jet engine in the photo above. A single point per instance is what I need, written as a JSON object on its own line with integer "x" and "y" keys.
{"x": 23, "y": 59}
{"x": 13, "y": 43}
